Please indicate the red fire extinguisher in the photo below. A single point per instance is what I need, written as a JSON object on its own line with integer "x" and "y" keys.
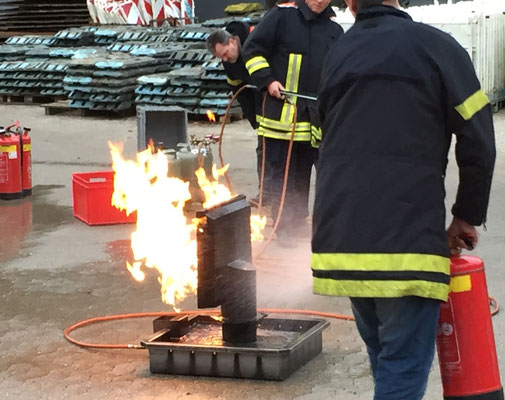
{"x": 10, "y": 166}
{"x": 465, "y": 339}
{"x": 26, "y": 155}
{"x": 26, "y": 161}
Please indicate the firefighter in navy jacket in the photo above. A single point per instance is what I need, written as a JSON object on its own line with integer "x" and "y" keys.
{"x": 286, "y": 51}
{"x": 393, "y": 94}
{"x": 226, "y": 45}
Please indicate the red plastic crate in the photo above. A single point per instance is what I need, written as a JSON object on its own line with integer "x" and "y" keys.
{"x": 92, "y": 192}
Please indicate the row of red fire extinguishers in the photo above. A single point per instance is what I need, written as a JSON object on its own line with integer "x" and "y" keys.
{"x": 15, "y": 162}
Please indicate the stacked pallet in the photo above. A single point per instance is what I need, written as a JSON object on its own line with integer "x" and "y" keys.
{"x": 107, "y": 82}
{"x": 100, "y": 67}
{"x": 41, "y": 15}
{"x": 197, "y": 83}
{"x": 33, "y": 79}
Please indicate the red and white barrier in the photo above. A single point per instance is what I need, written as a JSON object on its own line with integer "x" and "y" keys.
{"x": 141, "y": 12}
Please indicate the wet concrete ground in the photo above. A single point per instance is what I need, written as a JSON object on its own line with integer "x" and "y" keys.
{"x": 56, "y": 270}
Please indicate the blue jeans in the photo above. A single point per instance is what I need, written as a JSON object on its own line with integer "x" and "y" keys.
{"x": 399, "y": 334}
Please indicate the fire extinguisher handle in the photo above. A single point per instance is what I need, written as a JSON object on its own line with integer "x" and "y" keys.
{"x": 470, "y": 245}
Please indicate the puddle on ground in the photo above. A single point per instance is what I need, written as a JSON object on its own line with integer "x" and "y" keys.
{"x": 32, "y": 214}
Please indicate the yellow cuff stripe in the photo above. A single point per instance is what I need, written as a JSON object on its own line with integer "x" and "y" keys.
{"x": 317, "y": 133}
{"x": 380, "y": 262}
{"x": 233, "y": 82}
{"x": 472, "y": 105}
{"x": 256, "y": 63}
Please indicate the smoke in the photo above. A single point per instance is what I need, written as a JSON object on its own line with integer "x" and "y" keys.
{"x": 284, "y": 277}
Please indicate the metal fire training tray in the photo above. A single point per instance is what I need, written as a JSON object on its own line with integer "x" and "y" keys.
{"x": 193, "y": 345}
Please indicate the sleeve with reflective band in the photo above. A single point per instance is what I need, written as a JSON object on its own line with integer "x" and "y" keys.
{"x": 256, "y": 63}
{"x": 470, "y": 119}
{"x": 292, "y": 80}
{"x": 233, "y": 82}
{"x": 381, "y": 275}
{"x": 472, "y": 105}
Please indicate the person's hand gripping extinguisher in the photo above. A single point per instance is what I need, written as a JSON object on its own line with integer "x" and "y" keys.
{"x": 461, "y": 235}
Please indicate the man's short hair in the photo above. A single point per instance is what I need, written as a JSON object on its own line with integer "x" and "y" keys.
{"x": 221, "y": 36}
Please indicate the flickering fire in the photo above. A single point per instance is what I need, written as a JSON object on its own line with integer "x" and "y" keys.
{"x": 211, "y": 116}
{"x": 258, "y": 224}
{"x": 215, "y": 192}
{"x": 165, "y": 240}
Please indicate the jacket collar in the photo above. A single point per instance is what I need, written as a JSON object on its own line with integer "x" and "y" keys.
{"x": 380, "y": 11}
{"x": 309, "y": 15}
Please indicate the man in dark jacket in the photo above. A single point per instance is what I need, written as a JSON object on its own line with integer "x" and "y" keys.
{"x": 286, "y": 52}
{"x": 226, "y": 44}
{"x": 394, "y": 91}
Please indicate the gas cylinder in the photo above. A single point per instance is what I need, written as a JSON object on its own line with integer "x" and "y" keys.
{"x": 10, "y": 166}
{"x": 26, "y": 162}
{"x": 465, "y": 338}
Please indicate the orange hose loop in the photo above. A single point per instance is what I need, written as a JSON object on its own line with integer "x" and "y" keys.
{"x": 97, "y": 320}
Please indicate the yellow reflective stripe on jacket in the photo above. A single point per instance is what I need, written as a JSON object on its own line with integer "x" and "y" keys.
{"x": 233, "y": 82}
{"x": 298, "y": 137}
{"x": 316, "y": 134}
{"x": 472, "y": 105}
{"x": 380, "y": 262}
{"x": 280, "y": 126}
{"x": 389, "y": 288}
{"x": 256, "y": 63}
{"x": 292, "y": 79}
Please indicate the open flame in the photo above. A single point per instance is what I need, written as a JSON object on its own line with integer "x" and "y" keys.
{"x": 165, "y": 240}
{"x": 211, "y": 116}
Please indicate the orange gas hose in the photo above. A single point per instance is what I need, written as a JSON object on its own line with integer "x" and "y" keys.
{"x": 220, "y": 141}
{"x": 284, "y": 183}
{"x": 97, "y": 320}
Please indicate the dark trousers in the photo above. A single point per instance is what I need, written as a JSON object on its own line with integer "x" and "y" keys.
{"x": 295, "y": 209}
{"x": 399, "y": 334}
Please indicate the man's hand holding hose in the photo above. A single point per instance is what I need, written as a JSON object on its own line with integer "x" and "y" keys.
{"x": 274, "y": 89}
